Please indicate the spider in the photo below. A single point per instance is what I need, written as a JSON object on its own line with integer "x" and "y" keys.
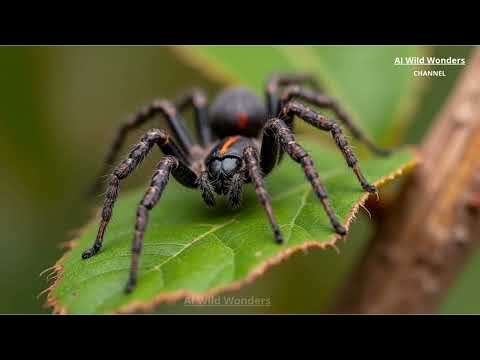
{"x": 240, "y": 141}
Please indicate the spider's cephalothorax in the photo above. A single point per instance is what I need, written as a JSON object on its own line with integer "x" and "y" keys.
{"x": 225, "y": 161}
{"x": 239, "y": 140}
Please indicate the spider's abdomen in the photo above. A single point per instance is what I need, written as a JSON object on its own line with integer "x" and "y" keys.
{"x": 237, "y": 111}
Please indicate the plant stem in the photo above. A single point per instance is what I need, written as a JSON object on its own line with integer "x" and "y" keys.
{"x": 424, "y": 240}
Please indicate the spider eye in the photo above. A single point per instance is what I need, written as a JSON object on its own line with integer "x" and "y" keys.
{"x": 230, "y": 165}
{"x": 224, "y": 167}
{"x": 215, "y": 167}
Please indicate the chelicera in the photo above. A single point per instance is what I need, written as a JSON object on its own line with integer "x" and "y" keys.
{"x": 239, "y": 140}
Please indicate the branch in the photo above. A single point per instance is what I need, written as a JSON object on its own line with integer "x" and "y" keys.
{"x": 426, "y": 238}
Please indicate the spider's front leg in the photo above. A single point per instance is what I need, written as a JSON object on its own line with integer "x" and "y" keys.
{"x": 251, "y": 161}
{"x": 155, "y": 136}
{"x": 150, "y": 199}
{"x": 276, "y": 129}
{"x": 321, "y": 122}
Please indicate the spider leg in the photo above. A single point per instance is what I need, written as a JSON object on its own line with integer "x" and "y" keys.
{"x": 270, "y": 152}
{"x": 251, "y": 160}
{"x": 277, "y": 127}
{"x": 161, "y": 107}
{"x": 150, "y": 199}
{"x": 324, "y": 101}
{"x": 321, "y": 122}
{"x": 182, "y": 173}
{"x": 198, "y": 100}
{"x": 206, "y": 189}
{"x": 278, "y": 80}
{"x": 235, "y": 192}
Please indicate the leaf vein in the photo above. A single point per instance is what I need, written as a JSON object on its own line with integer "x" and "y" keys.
{"x": 211, "y": 231}
{"x": 300, "y": 208}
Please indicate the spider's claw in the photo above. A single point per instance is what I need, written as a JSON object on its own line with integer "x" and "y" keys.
{"x": 132, "y": 282}
{"x": 370, "y": 188}
{"x": 278, "y": 237}
{"x": 87, "y": 253}
{"x": 339, "y": 229}
{"x": 92, "y": 251}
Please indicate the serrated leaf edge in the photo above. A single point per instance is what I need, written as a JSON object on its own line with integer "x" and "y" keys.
{"x": 138, "y": 306}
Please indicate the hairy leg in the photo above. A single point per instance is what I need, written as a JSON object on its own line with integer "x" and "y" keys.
{"x": 324, "y": 101}
{"x": 206, "y": 189}
{"x": 126, "y": 167}
{"x": 275, "y": 82}
{"x": 150, "y": 199}
{"x": 159, "y": 107}
{"x": 198, "y": 100}
{"x": 322, "y": 123}
{"x": 253, "y": 168}
{"x": 298, "y": 154}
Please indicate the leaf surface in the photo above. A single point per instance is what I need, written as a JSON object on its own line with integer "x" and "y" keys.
{"x": 191, "y": 251}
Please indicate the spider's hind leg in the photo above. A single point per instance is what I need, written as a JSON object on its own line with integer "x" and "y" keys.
{"x": 321, "y": 100}
{"x": 158, "y": 107}
{"x": 197, "y": 99}
{"x": 276, "y": 81}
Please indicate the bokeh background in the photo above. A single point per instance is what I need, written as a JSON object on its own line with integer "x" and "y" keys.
{"x": 59, "y": 108}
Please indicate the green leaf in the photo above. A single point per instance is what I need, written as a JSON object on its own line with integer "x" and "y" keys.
{"x": 380, "y": 95}
{"x": 193, "y": 251}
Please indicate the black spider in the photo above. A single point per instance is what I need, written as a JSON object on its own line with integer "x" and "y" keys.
{"x": 240, "y": 141}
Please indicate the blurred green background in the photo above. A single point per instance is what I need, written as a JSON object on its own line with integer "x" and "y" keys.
{"x": 59, "y": 108}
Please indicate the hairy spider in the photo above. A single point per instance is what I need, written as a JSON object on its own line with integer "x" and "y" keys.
{"x": 240, "y": 140}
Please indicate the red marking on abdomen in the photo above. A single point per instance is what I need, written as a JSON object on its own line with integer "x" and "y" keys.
{"x": 229, "y": 142}
{"x": 242, "y": 121}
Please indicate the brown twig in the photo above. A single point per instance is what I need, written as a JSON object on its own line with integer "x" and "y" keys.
{"x": 423, "y": 242}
